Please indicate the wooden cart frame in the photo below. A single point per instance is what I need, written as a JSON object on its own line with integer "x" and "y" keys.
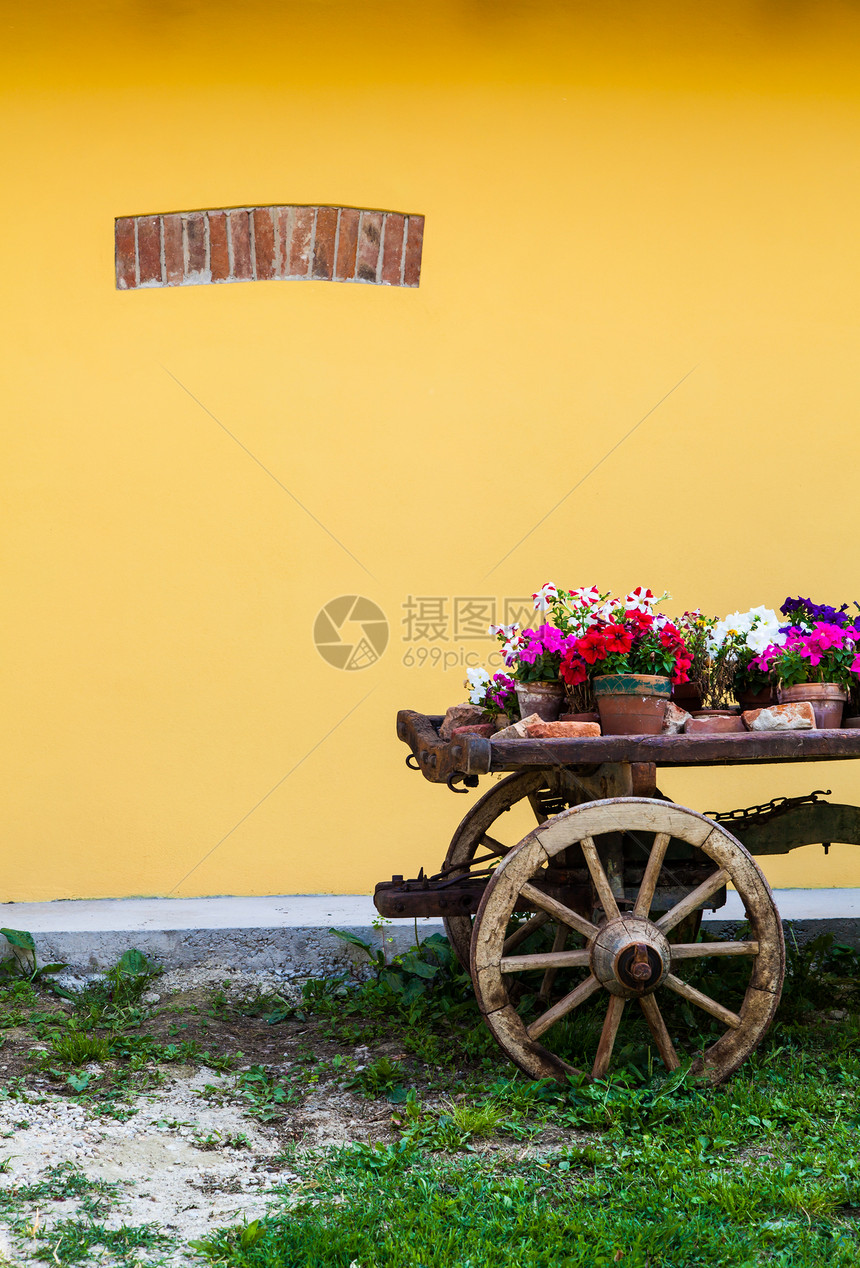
{"x": 615, "y": 866}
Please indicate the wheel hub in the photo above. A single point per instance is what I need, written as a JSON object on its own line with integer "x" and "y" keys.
{"x": 630, "y": 956}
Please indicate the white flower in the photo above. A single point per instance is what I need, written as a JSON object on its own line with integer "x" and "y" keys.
{"x": 585, "y": 597}
{"x": 547, "y": 591}
{"x": 477, "y": 681}
{"x": 507, "y": 630}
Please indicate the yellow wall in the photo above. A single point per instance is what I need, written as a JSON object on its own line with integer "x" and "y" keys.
{"x": 616, "y": 195}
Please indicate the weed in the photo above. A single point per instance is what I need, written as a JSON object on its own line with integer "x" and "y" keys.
{"x": 76, "y": 1047}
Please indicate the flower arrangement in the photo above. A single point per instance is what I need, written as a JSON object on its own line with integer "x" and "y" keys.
{"x": 738, "y": 639}
{"x": 820, "y": 644}
{"x": 582, "y": 634}
{"x": 627, "y": 637}
{"x": 494, "y": 694}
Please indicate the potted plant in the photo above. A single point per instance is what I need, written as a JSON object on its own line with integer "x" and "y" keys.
{"x": 817, "y": 661}
{"x": 736, "y": 642}
{"x": 495, "y": 694}
{"x": 708, "y": 692}
{"x": 632, "y": 656}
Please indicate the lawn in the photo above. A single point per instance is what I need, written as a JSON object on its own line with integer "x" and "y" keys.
{"x": 436, "y": 1152}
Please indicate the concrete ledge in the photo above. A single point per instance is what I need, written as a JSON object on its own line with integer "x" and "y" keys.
{"x": 289, "y": 934}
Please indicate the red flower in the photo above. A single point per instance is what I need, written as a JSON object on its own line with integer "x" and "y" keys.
{"x": 618, "y": 639}
{"x": 591, "y": 647}
{"x": 643, "y": 620}
{"x": 573, "y": 670}
{"x": 682, "y": 664}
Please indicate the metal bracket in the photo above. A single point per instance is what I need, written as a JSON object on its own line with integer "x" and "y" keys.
{"x": 469, "y": 781}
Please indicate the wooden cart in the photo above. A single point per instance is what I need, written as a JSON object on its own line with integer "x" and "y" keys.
{"x": 619, "y": 870}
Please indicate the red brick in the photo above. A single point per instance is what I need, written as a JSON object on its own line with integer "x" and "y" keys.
{"x": 369, "y": 244}
{"x": 283, "y": 224}
{"x": 392, "y": 249}
{"x": 149, "y": 249}
{"x": 324, "y": 239}
{"x": 219, "y": 256}
{"x": 264, "y": 242}
{"x": 195, "y": 247}
{"x": 414, "y": 245}
{"x": 301, "y": 241}
{"x": 174, "y": 264}
{"x": 126, "y": 264}
{"x": 240, "y": 241}
{"x": 347, "y": 244}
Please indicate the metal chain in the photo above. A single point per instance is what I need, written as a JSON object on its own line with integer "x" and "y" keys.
{"x": 768, "y": 810}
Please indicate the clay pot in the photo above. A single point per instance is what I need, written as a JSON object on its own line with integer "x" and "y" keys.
{"x": 827, "y": 700}
{"x": 579, "y": 717}
{"x": 632, "y": 704}
{"x": 756, "y": 699}
{"x": 852, "y": 723}
{"x": 732, "y": 711}
{"x": 714, "y": 723}
{"x": 686, "y": 695}
{"x": 546, "y": 699}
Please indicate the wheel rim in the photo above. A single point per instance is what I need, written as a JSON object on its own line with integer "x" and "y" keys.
{"x": 470, "y": 837}
{"x": 627, "y": 955}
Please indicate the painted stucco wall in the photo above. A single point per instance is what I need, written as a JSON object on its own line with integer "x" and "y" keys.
{"x": 616, "y": 196}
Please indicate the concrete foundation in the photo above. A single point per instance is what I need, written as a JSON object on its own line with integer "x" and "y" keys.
{"x": 290, "y": 934}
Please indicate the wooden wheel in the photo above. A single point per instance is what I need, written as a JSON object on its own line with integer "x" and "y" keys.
{"x": 627, "y": 956}
{"x": 477, "y": 837}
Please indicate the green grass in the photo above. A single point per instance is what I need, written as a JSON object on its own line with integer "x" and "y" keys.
{"x": 644, "y": 1169}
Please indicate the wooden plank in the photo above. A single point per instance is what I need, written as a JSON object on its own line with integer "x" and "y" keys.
{"x": 664, "y": 750}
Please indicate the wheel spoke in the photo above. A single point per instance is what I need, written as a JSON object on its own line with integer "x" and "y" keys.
{"x": 607, "y": 1036}
{"x": 652, "y": 874}
{"x": 701, "y": 1000}
{"x": 525, "y": 931}
{"x": 697, "y": 950}
{"x": 598, "y": 875}
{"x": 563, "y": 1007}
{"x": 495, "y": 847}
{"x": 561, "y": 932}
{"x": 657, "y": 1026}
{"x": 697, "y": 898}
{"x": 557, "y": 910}
{"x": 544, "y": 960}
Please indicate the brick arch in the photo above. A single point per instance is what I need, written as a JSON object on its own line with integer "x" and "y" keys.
{"x": 247, "y": 244}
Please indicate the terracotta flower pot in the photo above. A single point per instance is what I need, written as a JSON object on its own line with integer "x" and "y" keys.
{"x": 579, "y": 717}
{"x": 632, "y": 704}
{"x": 827, "y": 700}
{"x": 546, "y": 699}
{"x": 686, "y": 695}
{"x": 756, "y": 699}
{"x": 852, "y": 723}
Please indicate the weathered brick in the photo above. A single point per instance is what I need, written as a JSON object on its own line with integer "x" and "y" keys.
{"x": 283, "y": 233}
{"x": 149, "y": 249}
{"x": 347, "y": 244}
{"x": 219, "y": 256}
{"x": 240, "y": 241}
{"x": 301, "y": 241}
{"x": 264, "y": 242}
{"x": 196, "y": 269}
{"x": 126, "y": 263}
{"x": 174, "y": 264}
{"x": 414, "y": 246}
{"x": 369, "y": 245}
{"x": 324, "y": 240}
{"x": 392, "y": 249}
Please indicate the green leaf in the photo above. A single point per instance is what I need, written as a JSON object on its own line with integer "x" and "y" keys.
{"x": 133, "y": 963}
{"x": 78, "y": 1082}
{"x": 19, "y": 938}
